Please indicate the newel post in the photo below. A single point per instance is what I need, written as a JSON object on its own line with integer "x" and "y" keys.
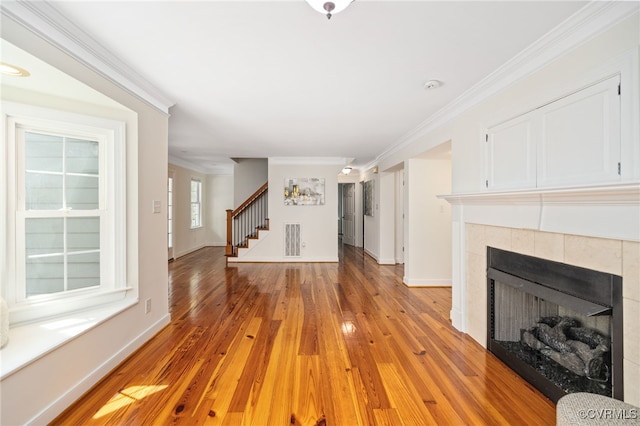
{"x": 228, "y": 251}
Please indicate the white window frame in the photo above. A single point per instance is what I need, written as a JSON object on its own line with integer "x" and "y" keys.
{"x": 111, "y": 137}
{"x": 198, "y": 203}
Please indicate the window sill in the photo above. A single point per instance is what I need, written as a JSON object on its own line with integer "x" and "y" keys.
{"x": 30, "y": 342}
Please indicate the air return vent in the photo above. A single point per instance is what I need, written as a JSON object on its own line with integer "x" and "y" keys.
{"x": 291, "y": 240}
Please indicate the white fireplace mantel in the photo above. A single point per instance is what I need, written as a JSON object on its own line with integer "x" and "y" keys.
{"x": 606, "y": 211}
{"x": 594, "y": 194}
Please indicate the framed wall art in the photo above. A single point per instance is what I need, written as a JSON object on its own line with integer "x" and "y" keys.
{"x": 368, "y": 197}
{"x": 304, "y": 191}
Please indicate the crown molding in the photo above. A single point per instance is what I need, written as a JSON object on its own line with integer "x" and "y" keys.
{"x": 216, "y": 169}
{"x": 44, "y": 20}
{"x": 309, "y": 161}
{"x": 593, "y": 19}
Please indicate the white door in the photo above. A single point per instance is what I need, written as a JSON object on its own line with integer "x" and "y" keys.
{"x": 349, "y": 217}
{"x": 170, "y": 217}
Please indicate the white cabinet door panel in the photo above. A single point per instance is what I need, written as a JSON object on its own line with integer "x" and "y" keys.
{"x": 580, "y": 137}
{"x": 511, "y": 154}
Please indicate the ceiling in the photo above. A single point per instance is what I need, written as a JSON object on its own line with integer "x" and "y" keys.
{"x": 276, "y": 78}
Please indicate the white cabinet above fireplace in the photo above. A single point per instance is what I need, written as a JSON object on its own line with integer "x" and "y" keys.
{"x": 573, "y": 140}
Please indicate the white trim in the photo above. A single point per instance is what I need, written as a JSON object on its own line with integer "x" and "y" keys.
{"x": 111, "y": 135}
{"x": 44, "y": 20}
{"x": 216, "y": 169}
{"x": 30, "y": 342}
{"x": 283, "y": 260}
{"x": 427, "y": 282}
{"x": 61, "y": 403}
{"x": 593, "y": 194}
{"x": 593, "y": 19}
{"x": 314, "y": 161}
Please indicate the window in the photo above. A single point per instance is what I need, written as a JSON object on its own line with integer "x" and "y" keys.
{"x": 196, "y": 203}
{"x": 66, "y": 203}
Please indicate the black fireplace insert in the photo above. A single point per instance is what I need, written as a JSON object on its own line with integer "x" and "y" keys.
{"x": 558, "y": 326}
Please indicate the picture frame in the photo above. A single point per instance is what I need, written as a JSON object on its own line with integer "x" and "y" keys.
{"x": 304, "y": 191}
{"x": 368, "y": 197}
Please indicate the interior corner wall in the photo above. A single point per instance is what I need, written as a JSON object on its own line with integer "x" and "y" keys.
{"x": 249, "y": 174}
{"x": 42, "y": 389}
{"x": 428, "y": 223}
{"x": 185, "y": 239}
{"x": 319, "y": 224}
{"x": 218, "y": 198}
{"x": 387, "y": 225}
{"x": 399, "y": 216}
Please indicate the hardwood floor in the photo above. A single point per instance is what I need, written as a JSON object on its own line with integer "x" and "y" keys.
{"x": 307, "y": 344}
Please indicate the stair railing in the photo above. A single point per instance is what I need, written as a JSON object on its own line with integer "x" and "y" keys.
{"x": 245, "y": 221}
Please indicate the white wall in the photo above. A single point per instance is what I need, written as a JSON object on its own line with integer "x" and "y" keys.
{"x": 42, "y": 389}
{"x": 428, "y": 223}
{"x": 387, "y": 225}
{"x": 319, "y": 225}
{"x": 249, "y": 174}
{"x": 218, "y": 198}
{"x": 185, "y": 239}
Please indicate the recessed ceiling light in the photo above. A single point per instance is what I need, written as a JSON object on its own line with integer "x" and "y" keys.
{"x": 432, "y": 84}
{"x": 12, "y": 70}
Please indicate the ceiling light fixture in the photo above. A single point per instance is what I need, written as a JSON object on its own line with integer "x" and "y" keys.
{"x": 346, "y": 170}
{"x": 432, "y": 84}
{"x": 329, "y": 8}
{"x": 12, "y": 70}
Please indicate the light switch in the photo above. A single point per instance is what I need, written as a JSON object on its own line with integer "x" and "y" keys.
{"x": 156, "y": 206}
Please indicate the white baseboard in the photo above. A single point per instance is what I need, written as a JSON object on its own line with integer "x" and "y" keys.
{"x": 216, "y": 244}
{"x": 72, "y": 395}
{"x": 282, "y": 259}
{"x": 457, "y": 320}
{"x": 189, "y": 250}
{"x": 370, "y": 253}
{"x": 427, "y": 282}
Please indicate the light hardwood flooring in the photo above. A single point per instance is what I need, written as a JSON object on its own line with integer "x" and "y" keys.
{"x": 308, "y": 344}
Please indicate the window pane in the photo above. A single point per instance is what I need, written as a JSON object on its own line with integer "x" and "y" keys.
{"x": 43, "y": 191}
{"x": 43, "y": 152}
{"x": 44, "y": 236}
{"x": 83, "y": 270}
{"x": 47, "y": 254}
{"x": 45, "y": 275}
{"x": 81, "y": 156}
{"x": 195, "y": 191}
{"x": 83, "y": 233}
{"x": 44, "y": 243}
{"x": 83, "y": 192}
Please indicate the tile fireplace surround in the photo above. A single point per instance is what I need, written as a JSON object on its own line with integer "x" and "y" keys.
{"x": 531, "y": 223}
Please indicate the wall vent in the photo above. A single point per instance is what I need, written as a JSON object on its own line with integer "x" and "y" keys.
{"x": 291, "y": 240}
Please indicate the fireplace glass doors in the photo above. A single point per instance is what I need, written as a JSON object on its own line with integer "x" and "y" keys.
{"x": 557, "y": 325}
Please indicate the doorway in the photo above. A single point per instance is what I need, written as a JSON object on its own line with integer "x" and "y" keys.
{"x": 347, "y": 214}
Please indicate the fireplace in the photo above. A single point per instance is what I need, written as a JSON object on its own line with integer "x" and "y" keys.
{"x": 559, "y": 326}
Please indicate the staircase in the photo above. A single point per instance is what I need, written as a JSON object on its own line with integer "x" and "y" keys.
{"x": 246, "y": 222}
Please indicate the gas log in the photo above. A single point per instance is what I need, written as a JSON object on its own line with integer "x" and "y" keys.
{"x": 576, "y": 348}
